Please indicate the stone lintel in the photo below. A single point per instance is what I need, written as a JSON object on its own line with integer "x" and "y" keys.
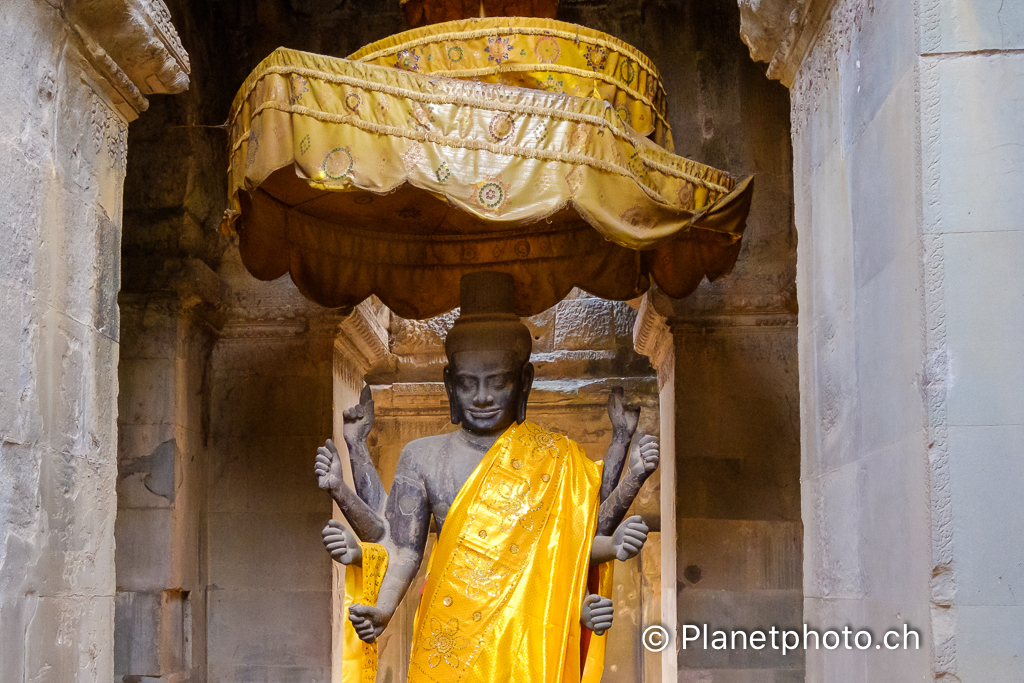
{"x": 133, "y": 46}
{"x": 735, "y": 319}
{"x": 781, "y": 32}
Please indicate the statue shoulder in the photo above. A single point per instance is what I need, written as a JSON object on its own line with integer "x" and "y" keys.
{"x": 423, "y": 449}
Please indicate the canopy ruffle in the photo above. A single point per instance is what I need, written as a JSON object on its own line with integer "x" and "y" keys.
{"x": 361, "y": 179}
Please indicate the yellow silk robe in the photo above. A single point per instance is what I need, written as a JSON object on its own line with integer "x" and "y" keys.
{"x": 507, "y": 576}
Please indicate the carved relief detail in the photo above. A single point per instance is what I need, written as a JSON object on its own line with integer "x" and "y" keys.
{"x": 160, "y": 17}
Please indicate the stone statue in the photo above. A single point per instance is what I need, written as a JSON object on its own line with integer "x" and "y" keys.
{"x": 527, "y": 486}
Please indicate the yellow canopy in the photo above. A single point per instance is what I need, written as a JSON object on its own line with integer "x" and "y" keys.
{"x": 362, "y": 179}
{"x": 539, "y": 54}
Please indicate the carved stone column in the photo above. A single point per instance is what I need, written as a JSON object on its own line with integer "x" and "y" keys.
{"x": 73, "y": 75}
{"x": 360, "y": 343}
{"x": 164, "y": 413}
{"x": 653, "y": 338}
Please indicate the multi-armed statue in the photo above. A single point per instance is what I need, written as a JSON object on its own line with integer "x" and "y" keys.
{"x": 526, "y": 522}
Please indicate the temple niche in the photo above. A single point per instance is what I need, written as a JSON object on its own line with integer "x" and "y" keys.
{"x": 853, "y": 460}
{"x": 229, "y": 384}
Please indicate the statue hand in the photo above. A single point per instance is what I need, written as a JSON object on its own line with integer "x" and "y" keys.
{"x": 328, "y": 466}
{"x": 368, "y": 621}
{"x": 596, "y": 614}
{"x": 342, "y": 544}
{"x": 358, "y": 420}
{"x": 629, "y": 538}
{"x": 624, "y": 417}
{"x": 644, "y": 459}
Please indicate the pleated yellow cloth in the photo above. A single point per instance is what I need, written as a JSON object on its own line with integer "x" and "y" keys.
{"x": 507, "y": 577}
{"x": 362, "y": 585}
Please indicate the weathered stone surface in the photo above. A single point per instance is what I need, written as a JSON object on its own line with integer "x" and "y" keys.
{"x": 62, "y": 154}
{"x": 271, "y": 407}
{"x": 910, "y": 383}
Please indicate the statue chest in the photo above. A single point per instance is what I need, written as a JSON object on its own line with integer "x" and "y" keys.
{"x": 447, "y": 473}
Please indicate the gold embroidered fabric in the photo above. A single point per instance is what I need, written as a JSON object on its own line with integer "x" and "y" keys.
{"x": 539, "y": 54}
{"x": 507, "y": 576}
{"x": 360, "y": 179}
{"x": 362, "y": 585}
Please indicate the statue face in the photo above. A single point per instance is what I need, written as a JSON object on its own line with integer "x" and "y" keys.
{"x": 487, "y": 389}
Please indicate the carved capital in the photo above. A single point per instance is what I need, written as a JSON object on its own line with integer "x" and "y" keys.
{"x": 362, "y": 338}
{"x": 781, "y": 32}
{"x": 651, "y": 334}
{"x": 133, "y": 46}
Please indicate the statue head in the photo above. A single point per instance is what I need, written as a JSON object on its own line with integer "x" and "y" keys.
{"x": 489, "y": 374}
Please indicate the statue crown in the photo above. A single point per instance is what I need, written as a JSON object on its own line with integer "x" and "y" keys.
{"x": 486, "y": 320}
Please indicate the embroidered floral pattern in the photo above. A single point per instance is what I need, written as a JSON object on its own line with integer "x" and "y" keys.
{"x": 551, "y": 85}
{"x": 408, "y": 60}
{"x": 454, "y": 54}
{"x": 352, "y": 102}
{"x": 502, "y": 125}
{"x": 338, "y": 163}
{"x": 596, "y": 57}
{"x": 299, "y": 86}
{"x": 491, "y": 194}
{"x": 637, "y": 217}
{"x": 513, "y": 503}
{"x": 627, "y": 71}
{"x": 478, "y": 577}
{"x": 445, "y": 643}
{"x": 254, "y": 147}
{"x": 547, "y": 50}
{"x": 498, "y": 49}
{"x": 443, "y": 173}
{"x": 421, "y": 117}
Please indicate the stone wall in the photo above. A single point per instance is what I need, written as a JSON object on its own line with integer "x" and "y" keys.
{"x": 163, "y": 463}
{"x": 907, "y": 147}
{"x": 269, "y": 577}
{"x": 71, "y": 87}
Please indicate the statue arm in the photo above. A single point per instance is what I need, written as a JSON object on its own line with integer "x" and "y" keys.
{"x": 642, "y": 464}
{"x": 408, "y": 513}
{"x": 368, "y": 525}
{"x": 357, "y": 423}
{"x": 624, "y": 422}
{"x": 408, "y": 516}
{"x": 624, "y": 544}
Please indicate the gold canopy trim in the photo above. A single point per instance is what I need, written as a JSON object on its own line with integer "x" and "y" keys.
{"x": 539, "y": 54}
{"x": 362, "y": 179}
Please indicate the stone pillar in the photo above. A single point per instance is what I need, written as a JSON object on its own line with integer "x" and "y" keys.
{"x": 73, "y": 77}
{"x": 729, "y": 392}
{"x": 652, "y": 338}
{"x": 907, "y": 157}
{"x": 163, "y": 467}
{"x": 269, "y": 591}
{"x": 360, "y": 343}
